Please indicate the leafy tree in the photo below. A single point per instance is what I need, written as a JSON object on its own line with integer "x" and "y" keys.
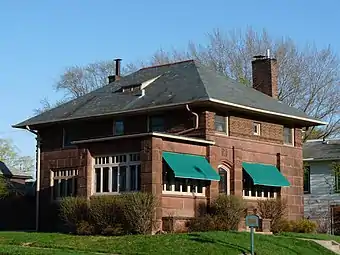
{"x": 4, "y": 191}
{"x": 9, "y": 155}
{"x": 308, "y": 78}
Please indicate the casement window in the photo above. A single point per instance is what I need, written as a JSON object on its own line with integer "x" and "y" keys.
{"x": 306, "y": 180}
{"x": 69, "y": 135}
{"x": 182, "y": 186}
{"x": 64, "y": 183}
{"x": 288, "y": 136}
{"x": 156, "y": 124}
{"x": 118, "y": 127}
{"x": 251, "y": 191}
{"x": 117, "y": 173}
{"x": 221, "y": 123}
{"x": 256, "y": 128}
{"x": 224, "y": 183}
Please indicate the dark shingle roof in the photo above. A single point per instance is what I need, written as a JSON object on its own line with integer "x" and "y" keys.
{"x": 321, "y": 150}
{"x": 177, "y": 83}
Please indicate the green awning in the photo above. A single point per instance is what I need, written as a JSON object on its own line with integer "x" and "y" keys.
{"x": 267, "y": 175}
{"x": 190, "y": 166}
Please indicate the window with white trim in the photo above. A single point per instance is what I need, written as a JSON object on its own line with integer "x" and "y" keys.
{"x": 184, "y": 186}
{"x": 256, "y": 128}
{"x": 117, "y": 173}
{"x": 251, "y": 191}
{"x": 64, "y": 183}
{"x": 221, "y": 123}
{"x": 288, "y": 136}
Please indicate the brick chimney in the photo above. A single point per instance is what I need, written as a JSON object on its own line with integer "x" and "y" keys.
{"x": 265, "y": 75}
{"x": 115, "y": 77}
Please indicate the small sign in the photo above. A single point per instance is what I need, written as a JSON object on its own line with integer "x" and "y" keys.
{"x": 252, "y": 221}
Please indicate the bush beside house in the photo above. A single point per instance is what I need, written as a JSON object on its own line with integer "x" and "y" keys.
{"x": 134, "y": 213}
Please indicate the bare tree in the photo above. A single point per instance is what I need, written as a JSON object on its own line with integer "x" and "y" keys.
{"x": 308, "y": 79}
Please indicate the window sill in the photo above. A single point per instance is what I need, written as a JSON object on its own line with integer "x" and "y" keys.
{"x": 257, "y": 198}
{"x": 182, "y": 194}
{"x": 98, "y": 194}
{"x": 288, "y": 144}
{"x": 221, "y": 133}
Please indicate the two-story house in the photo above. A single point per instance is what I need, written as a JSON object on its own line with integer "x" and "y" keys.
{"x": 181, "y": 131}
{"x": 322, "y": 181}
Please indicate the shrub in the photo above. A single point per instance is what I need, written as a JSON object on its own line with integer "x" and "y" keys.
{"x": 227, "y": 212}
{"x": 273, "y": 209}
{"x": 73, "y": 211}
{"x": 139, "y": 210}
{"x": 304, "y": 226}
{"x": 202, "y": 224}
{"x": 282, "y": 225}
{"x": 85, "y": 228}
{"x": 106, "y": 215}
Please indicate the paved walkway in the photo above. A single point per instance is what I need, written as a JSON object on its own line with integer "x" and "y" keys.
{"x": 328, "y": 244}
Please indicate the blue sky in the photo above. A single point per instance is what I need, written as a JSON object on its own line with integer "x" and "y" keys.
{"x": 39, "y": 39}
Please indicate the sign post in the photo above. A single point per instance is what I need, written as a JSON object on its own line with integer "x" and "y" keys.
{"x": 252, "y": 221}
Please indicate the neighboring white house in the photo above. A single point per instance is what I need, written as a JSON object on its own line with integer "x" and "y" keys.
{"x": 321, "y": 183}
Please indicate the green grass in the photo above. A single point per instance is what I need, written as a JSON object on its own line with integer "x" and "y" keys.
{"x": 312, "y": 236}
{"x": 194, "y": 243}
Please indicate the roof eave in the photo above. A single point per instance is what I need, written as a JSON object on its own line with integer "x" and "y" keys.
{"x": 307, "y": 121}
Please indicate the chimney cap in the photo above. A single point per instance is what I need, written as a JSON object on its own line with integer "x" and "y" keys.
{"x": 259, "y": 57}
{"x": 117, "y": 59}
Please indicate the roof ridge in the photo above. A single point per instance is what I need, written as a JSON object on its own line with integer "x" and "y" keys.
{"x": 197, "y": 67}
{"x": 168, "y": 64}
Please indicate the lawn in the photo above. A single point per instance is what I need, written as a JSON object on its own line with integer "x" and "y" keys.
{"x": 313, "y": 236}
{"x": 195, "y": 243}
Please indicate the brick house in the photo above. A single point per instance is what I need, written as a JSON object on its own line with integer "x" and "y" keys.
{"x": 181, "y": 131}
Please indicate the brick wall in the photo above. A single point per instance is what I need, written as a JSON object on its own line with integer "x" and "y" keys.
{"x": 241, "y": 127}
{"x": 238, "y": 148}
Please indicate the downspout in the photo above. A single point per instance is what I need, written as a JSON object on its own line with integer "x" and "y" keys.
{"x": 37, "y": 177}
{"x": 196, "y": 122}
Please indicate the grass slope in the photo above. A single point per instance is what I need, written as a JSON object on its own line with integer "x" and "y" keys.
{"x": 195, "y": 243}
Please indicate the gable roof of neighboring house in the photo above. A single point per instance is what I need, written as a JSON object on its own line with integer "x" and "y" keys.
{"x": 167, "y": 86}
{"x": 13, "y": 173}
{"x": 321, "y": 150}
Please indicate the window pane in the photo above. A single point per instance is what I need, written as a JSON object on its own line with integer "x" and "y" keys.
{"x": 177, "y": 184}
{"x": 156, "y": 124}
{"x": 106, "y": 179}
{"x": 184, "y": 183}
{"x": 119, "y": 127}
{"x": 114, "y": 179}
{"x": 55, "y": 189}
{"x": 122, "y": 178}
{"x": 133, "y": 180}
{"x": 138, "y": 178}
{"x": 75, "y": 183}
{"x": 222, "y": 173}
{"x": 98, "y": 178}
{"x": 200, "y": 185}
{"x": 306, "y": 179}
{"x": 63, "y": 188}
{"x": 69, "y": 191}
{"x": 288, "y": 136}
{"x": 220, "y": 123}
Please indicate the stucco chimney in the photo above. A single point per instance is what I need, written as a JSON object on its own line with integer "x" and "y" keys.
{"x": 265, "y": 74}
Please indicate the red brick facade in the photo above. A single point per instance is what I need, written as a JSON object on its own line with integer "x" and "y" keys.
{"x": 240, "y": 146}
